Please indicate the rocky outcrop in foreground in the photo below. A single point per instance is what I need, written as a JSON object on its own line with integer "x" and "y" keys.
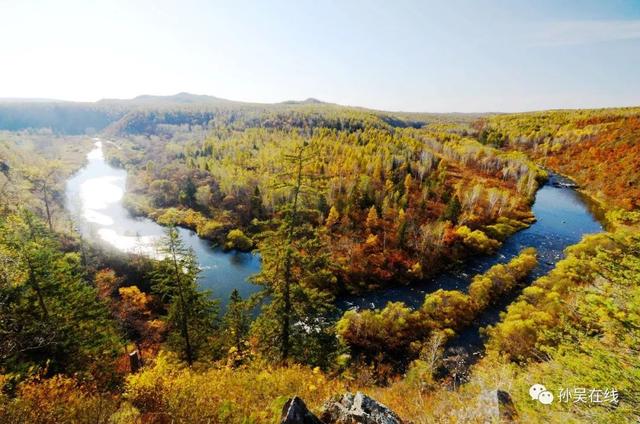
{"x": 348, "y": 409}
{"x": 494, "y": 406}
{"x": 295, "y": 412}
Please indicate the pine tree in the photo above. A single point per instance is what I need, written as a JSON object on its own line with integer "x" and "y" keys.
{"x": 295, "y": 269}
{"x": 452, "y": 210}
{"x": 236, "y": 321}
{"x": 257, "y": 208}
{"x": 50, "y": 315}
{"x": 192, "y": 314}
{"x": 401, "y": 224}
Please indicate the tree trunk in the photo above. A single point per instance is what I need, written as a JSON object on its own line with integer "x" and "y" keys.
{"x": 46, "y": 206}
{"x": 286, "y": 318}
{"x": 184, "y": 319}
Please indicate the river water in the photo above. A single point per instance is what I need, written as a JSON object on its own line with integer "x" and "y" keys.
{"x": 562, "y": 218}
{"x": 94, "y": 197}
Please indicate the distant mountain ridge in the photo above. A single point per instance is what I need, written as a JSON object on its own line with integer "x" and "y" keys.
{"x": 180, "y": 98}
{"x": 147, "y": 113}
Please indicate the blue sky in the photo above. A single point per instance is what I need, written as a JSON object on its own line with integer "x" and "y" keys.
{"x": 492, "y": 55}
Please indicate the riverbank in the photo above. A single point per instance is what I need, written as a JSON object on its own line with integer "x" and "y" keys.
{"x": 94, "y": 198}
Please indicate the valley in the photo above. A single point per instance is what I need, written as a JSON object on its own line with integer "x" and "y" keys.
{"x": 252, "y": 252}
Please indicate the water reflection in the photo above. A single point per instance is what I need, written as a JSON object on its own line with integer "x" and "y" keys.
{"x": 94, "y": 198}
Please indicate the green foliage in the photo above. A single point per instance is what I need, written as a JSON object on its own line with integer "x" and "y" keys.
{"x": 412, "y": 177}
{"x": 191, "y": 315}
{"x": 503, "y": 228}
{"x": 453, "y": 209}
{"x": 600, "y": 274}
{"x": 295, "y": 272}
{"x": 236, "y": 322}
{"x": 501, "y": 279}
{"x": 51, "y": 318}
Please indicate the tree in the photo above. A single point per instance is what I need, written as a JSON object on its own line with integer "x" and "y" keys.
{"x": 50, "y": 315}
{"x": 43, "y": 182}
{"x": 401, "y": 225}
{"x": 452, "y": 210}
{"x": 372, "y": 219}
{"x": 204, "y": 197}
{"x": 332, "y": 218}
{"x": 236, "y": 321}
{"x": 257, "y": 207}
{"x": 236, "y": 239}
{"x": 191, "y": 314}
{"x": 295, "y": 267}
{"x": 188, "y": 193}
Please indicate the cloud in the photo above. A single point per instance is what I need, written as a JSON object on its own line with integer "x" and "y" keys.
{"x": 587, "y": 32}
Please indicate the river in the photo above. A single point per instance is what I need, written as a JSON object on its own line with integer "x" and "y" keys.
{"x": 94, "y": 197}
{"x": 562, "y": 218}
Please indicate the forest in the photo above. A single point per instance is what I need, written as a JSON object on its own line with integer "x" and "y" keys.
{"x": 337, "y": 202}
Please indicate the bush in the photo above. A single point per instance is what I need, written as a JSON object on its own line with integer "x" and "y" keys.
{"x": 56, "y": 400}
{"x": 219, "y": 394}
{"x": 477, "y": 240}
{"x": 504, "y": 228}
{"x": 236, "y": 239}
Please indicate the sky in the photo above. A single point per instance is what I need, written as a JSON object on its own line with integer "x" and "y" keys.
{"x": 429, "y": 56}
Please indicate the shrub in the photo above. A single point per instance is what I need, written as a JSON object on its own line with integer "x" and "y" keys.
{"x": 236, "y": 239}
{"x": 477, "y": 240}
{"x": 219, "y": 394}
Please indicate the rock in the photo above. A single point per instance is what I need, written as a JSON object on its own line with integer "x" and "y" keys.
{"x": 358, "y": 408}
{"x": 296, "y": 412}
{"x": 497, "y": 405}
{"x": 4, "y": 168}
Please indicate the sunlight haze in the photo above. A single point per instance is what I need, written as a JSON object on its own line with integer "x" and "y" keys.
{"x": 407, "y": 55}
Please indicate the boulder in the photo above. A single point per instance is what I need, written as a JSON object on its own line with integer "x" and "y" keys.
{"x": 497, "y": 405}
{"x": 358, "y": 408}
{"x": 296, "y": 412}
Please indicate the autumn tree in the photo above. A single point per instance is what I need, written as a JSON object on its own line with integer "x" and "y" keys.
{"x": 372, "y": 219}
{"x": 333, "y": 217}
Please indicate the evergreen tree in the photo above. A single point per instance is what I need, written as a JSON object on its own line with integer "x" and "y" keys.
{"x": 188, "y": 194}
{"x": 50, "y": 315}
{"x": 191, "y": 314}
{"x": 236, "y": 321}
{"x": 452, "y": 211}
{"x": 257, "y": 208}
{"x": 295, "y": 266}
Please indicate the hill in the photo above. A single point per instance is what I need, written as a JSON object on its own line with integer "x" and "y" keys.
{"x": 146, "y": 113}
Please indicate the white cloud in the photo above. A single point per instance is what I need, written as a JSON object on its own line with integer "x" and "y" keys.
{"x": 587, "y": 32}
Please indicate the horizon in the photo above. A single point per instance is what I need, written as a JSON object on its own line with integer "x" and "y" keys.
{"x": 410, "y": 56}
{"x": 320, "y": 101}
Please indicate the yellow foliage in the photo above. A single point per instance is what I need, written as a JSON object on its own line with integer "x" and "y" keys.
{"x": 477, "y": 239}
{"x": 222, "y": 394}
